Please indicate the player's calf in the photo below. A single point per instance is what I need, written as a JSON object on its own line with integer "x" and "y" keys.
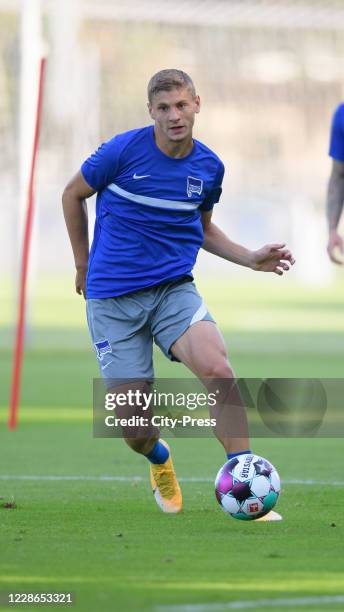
{"x": 143, "y": 446}
{"x": 143, "y": 437}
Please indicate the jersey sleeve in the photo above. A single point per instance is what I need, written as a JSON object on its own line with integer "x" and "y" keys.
{"x": 100, "y": 169}
{"x": 215, "y": 193}
{"x": 337, "y": 135}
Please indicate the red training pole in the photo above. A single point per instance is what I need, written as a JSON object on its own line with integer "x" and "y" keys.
{"x": 19, "y": 342}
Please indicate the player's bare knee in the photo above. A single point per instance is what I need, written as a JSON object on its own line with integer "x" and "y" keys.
{"x": 218, "y": 369}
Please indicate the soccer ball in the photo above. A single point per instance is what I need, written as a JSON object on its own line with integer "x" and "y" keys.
{"x": 247, "y": 487}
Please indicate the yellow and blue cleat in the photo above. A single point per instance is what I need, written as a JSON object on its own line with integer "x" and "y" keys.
{"x": 166, "y": 489}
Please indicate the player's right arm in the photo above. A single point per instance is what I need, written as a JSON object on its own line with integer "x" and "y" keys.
{"x": 75, "y": 214}
{"x": 334, "y": 206}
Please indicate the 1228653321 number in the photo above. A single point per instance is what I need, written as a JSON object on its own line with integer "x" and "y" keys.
{"x": 40, "y": 598}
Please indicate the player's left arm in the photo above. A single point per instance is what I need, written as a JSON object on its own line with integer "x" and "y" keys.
{"x": 270, "y": 258}
{"x": 335, "y": 191}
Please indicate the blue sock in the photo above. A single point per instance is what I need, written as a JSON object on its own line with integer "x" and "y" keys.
{"x": 158, "y": 454}
{"x": 231, "y": 455}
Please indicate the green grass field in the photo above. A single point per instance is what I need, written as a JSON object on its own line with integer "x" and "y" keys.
{"x": 76, "y": 529}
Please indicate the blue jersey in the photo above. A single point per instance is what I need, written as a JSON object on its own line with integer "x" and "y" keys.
{"x": 148, "y": 226}
{"x": 337, "y": 135}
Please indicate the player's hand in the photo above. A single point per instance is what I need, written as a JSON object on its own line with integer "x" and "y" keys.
{"x": 272, "y": 258}
{"x": 335, "y": 244}
{"x": 80, "y": 281}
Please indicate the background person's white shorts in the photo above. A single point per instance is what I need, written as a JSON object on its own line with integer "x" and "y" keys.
{"x": 123, "y": 328}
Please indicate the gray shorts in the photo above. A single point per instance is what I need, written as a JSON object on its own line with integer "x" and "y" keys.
{"x": 123, "y": 328}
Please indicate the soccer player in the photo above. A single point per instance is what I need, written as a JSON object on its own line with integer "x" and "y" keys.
{"x": 335, "y": 192}
{"x": 156, "y": 188}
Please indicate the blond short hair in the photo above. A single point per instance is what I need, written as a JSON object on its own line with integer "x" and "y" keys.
{"x": 168, "y": 79}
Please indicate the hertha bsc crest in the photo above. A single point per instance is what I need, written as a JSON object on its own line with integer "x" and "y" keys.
{"x": 194, "y": 185}
{"x": 102, "y": 347}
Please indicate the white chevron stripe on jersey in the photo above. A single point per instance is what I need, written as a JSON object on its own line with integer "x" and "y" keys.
{"x": 155, "y": 202}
